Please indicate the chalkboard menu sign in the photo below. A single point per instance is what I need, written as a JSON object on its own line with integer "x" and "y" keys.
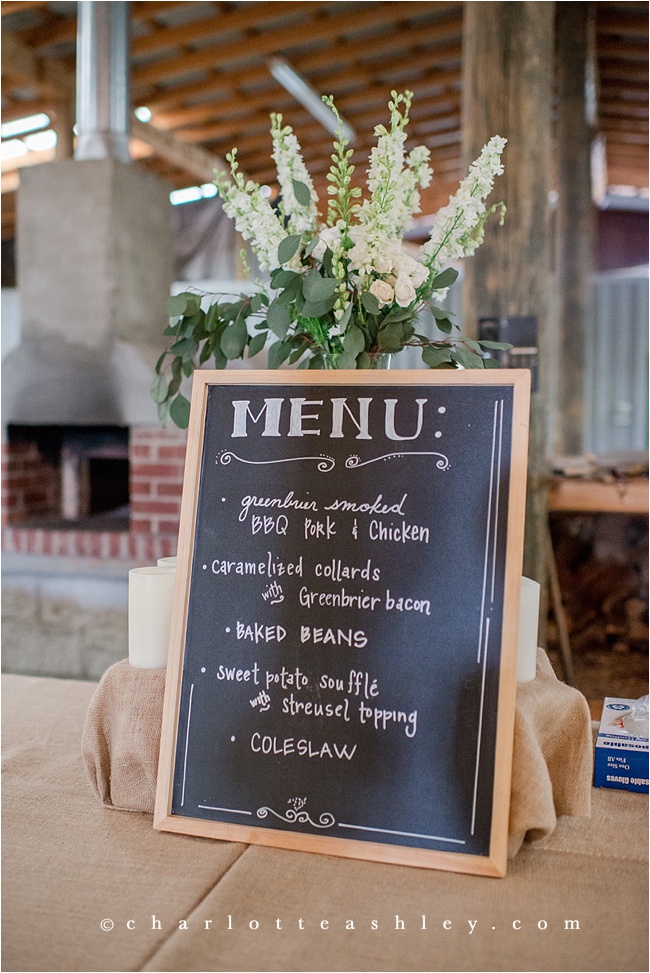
{"x": 343, "y": 654}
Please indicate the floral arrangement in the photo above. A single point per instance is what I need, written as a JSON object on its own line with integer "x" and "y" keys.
{"x": 344, "y": 293}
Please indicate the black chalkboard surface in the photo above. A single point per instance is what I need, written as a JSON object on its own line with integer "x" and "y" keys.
{"x": 343, "y": 654}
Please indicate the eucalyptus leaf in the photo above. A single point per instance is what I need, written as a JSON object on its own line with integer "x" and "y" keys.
{"x": 159, "y": 363}
{"x": 291, "y": 291}
{"x": 179, "y": 411}
{"x": 301, "y": 192}
{"x": 317, "y": 309}
{"x": 364, "y": 361}
{"x": 288, "y": 248}
{"x": 284, "y": 277}
{"x": 278, "y": 319}
{"x": 176, "y": 305}
{"x": 256, "y": 344}
{"x": 347, "y": 314}
{"x": 467, "y": 358}
{"x": 279, "y": 351}
{"x": 354, "y": 342}
{"x": 346, "y": 360}
{"x": 444, "y": 325}
{"x": 212, "y": 318}
{"x": 234, "y": 339}
{"x": 188, "y": 368}
{"x": 370, "y": 302}
{"x": 434, "y": 357}
{"x": 317, "y": 288}
{"x": 445, "y": 279}
{"x": 492, "y": 363}
{"x": 496, "y": 345}
{"x": 439, "y": 313}
{"x": 257, "y": 303}
{"x": 398, "y": 313}
{"x": 163, "y": 414}
{"x": 158, "y": 389}
{"x": 185, "y": 348}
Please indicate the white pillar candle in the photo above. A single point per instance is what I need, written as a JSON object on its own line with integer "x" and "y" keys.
{"x": 166, "y": 562}
{"x": 528, "y": 627}
{"x": 151, "y": 593}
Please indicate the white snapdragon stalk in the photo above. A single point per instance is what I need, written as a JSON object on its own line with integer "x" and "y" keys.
{"x": 459, "y": 226}
{"x": 253, "y": 215}
{"x": 291, "y": 168}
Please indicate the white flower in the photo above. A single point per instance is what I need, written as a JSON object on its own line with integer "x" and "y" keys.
{"x": 291, "y": 167}
{"x": 458, "y": 227}
{"x": 329, "y": 237}
{"x": 382, "y": 291}
{"x": 404, "y": 291}
{"x": 383, "y": 263}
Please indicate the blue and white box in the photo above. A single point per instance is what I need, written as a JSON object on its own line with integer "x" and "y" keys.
{"x": 622, "y": 746}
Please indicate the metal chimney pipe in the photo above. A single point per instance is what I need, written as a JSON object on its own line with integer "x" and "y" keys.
{"x": 103, "y": 70}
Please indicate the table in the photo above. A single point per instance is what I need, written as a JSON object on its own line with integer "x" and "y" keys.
{"x": 172, "y": 902}
{"x": 589, "y": 496}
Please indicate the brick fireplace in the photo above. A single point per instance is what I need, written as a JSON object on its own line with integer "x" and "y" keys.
{"x": 32, "y": 500}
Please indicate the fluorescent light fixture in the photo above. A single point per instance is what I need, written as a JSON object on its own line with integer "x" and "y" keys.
{"x": 188, "y": 195}
{"x": 13, "y": 149}
{"x": 20, "y": 126}
{"x": 303, "y": 92}
{"x": 191, "y": 193}
{"x": 143, "y": 114}
{"x": 41, "y": 141}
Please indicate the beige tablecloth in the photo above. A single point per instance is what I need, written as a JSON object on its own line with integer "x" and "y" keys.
{"x": 71, "y": 865}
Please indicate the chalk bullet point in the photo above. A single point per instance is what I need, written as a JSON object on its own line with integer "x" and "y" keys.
{"x": 202, "y": 668}
{"x": 438, "y": 435}
{"x": 232, "y": 739}
{"x": 223, "y": 499}
{"x": 228, "y": 630}
{"x": 205, "y": 567}
{"x": 442, "y": 410}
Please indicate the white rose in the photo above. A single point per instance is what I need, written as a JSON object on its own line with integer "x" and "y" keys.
{"x": 382, "y": 291}
{"x": 383, "y": 264}
{"x": 419, "y": 274}
{"x": 404, "y": 291}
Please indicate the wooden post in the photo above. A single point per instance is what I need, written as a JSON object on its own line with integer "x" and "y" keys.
{"x": 507, "y": 90}
{"x": 63, "y": 123}
{"x": 574, "y": 221}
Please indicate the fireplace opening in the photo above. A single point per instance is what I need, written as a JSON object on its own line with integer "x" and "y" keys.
{"x": 68, "y": 476}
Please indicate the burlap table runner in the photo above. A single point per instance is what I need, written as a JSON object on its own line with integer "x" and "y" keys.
{"x": 552, "y": 760}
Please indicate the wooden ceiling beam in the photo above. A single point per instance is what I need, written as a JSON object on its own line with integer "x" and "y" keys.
{"x": 370, "y": 94}
{"x": 66, "y": 28}
{"x": 49, "y": 75}
{"x": 241, "y": 18}
{"x": 281, "y": 40}
{"x": 13, "y": 6}
{"x": 622, "y": 109}
{"x": 22, "y": 109}
{"x": 629, "y": 51}
{"x": 335, "y": 77}
{"x": 623, "y": 25}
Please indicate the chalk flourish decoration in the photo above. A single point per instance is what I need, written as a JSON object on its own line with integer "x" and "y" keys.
{"x": 325, "y": 463}
{"x": 298, "y": 816}
{"x": 352, "y": 462}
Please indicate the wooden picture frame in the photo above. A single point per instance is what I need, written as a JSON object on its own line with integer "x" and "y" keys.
{"x": 389, "y": 504}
